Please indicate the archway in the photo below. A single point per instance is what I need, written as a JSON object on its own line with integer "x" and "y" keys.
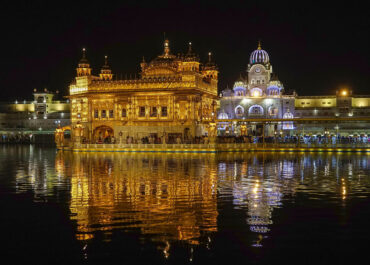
{"x": 255, "y": 110}
{"x": 103, "y": 134}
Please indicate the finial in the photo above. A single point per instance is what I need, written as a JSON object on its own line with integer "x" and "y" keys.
{"x": 209, "y": 57}
{"x": 83, "y": 53}
{"x": 166, "y": 47}
{"x": 106, "y": 60}
{"x": 143, "y": 59}
{"x": 259, "y": 45}
{"x": 189, "y": 47}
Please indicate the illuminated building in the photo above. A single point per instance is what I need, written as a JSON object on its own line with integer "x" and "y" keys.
{"x": 173, "y": 97}
{"x": 260, "y": 95}
{"x": 38, "y": 117}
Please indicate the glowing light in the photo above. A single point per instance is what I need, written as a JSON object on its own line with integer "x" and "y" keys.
{"x": 344, "y": 93}
{"x": 245, "y": 100}
{"x": 256, "y": 94}
{"x": 268, "y": 101}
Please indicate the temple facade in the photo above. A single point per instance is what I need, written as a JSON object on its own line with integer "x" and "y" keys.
{"x": 261, "y": 95}
{"x": 257, "y": 95}
{"x": 174, "y": 99}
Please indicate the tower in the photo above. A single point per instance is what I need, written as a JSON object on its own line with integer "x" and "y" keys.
{"x": 106, "y": 72}
{"x": 191, "y": 60}
{"x": 210, "y": 71}
{"x": 83, "y": 68}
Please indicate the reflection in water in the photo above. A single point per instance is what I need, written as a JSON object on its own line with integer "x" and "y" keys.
{"x": 171, "y": 197}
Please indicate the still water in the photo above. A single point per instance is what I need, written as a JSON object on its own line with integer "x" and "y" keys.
{"x": 253, "y": 208}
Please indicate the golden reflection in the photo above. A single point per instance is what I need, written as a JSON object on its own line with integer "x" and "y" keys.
{"x": 172, "y": 198}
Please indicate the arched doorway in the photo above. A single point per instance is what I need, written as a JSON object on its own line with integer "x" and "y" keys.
{"x": 103, "y": 134}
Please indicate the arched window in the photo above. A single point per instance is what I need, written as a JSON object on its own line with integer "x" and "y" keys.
{"x": 273, "y": 111}
{"x": 239, "y": 110}
{"x": 255, "y": 110}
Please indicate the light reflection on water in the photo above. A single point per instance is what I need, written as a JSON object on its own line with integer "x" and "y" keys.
{"x": 179, "y": 197}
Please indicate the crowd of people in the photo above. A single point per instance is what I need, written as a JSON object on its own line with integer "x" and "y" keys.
{"x": 279, "y": 139}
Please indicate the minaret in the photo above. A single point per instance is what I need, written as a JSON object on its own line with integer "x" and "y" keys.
{"x": 83, "y": 68}
{"x": 106, "y": 73}
{"x": 210, "y": 70}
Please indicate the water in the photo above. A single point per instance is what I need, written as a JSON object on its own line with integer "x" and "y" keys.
{"x": 254, "y": 208}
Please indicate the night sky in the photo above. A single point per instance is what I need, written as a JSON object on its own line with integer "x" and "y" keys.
{"x": 315, "y": 49}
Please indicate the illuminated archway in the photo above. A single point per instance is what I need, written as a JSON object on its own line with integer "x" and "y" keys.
{"x": 255, "y": 110}
{"x": 256, "y": 92}
{"x": 239, "y": 110}
{"x": 103, "y": 132}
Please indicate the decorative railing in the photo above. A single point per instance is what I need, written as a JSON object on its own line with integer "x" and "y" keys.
{"x": 218, "y": 146}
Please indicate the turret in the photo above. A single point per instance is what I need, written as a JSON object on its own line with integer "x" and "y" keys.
{"x": 83, "y": 68}
{"x": 106, "y": 72}
{"x": 210, "y": 70}
{"x": 191, "y": 60}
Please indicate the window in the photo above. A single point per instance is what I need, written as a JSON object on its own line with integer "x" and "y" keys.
{"x": 287, "y": 102}
{"x": 78, "y": 115}
{"x": 323, "y": 102}
{"x": 124, "y": 113}
{"x": 103, "y": 113}
{"x": 153, "y": 112}
{"x": 164, "y": 111}
{"x": 329, "y": 102}
{"x": 96, "y": 114}
{"x": 302, "y": 103}
{"x": 258, "y": 81}
{"x": 111, "y": 115}
{"x": 239, "y": 110}
{"x": 141, "y": 111}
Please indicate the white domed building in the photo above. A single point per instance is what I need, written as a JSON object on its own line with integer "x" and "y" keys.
{"x": 258, "y": 95}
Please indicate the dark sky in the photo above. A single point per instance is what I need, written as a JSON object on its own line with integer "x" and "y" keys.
{"x": 315, "y": 49}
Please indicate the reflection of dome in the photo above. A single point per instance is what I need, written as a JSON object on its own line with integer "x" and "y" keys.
{"x": 259, "y": 56}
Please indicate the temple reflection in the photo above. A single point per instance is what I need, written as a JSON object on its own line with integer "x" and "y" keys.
{"x": 170, "y": 197}
{"x": 175, "y": 196}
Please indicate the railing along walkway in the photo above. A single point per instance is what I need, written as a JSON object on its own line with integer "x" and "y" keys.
{"x": 219, "y": 147}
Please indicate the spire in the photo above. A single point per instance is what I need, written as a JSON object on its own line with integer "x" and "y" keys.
{"x": 209, "y": 57}
{"x": 259, "y": 45}
{"x": 143, "y": 59}
{"x": 106, "y": 73}
{"x": 166, "y": 48}
{"x": 83, "y": 68}
{"x": 83, "y": 59}
{"x": 189, "y": 50}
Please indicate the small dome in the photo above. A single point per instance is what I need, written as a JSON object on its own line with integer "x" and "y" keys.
{"x": 259, "y": 56}
{"x": 239, "y": 85}
{"x": 223, "y": 116}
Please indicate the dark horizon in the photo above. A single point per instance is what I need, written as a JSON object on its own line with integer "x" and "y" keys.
{"x": 314, "y": 49}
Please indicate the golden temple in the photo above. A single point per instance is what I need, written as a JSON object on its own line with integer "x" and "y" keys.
{"x": 173, "y": 100}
